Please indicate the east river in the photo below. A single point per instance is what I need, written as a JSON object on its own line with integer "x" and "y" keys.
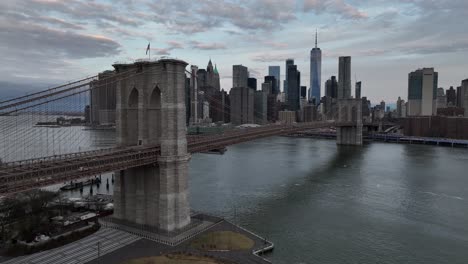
{"x": 319, "y": 203}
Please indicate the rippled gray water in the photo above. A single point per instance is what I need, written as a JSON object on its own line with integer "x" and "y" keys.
{"x": 319, "y": 203}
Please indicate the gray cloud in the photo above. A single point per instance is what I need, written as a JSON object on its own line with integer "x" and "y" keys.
{"x": 355, "y": 52}
{"x": 256, "y": 73}
{"x": 160, "y": 51}
{"x": 175, "y": 44}
{"x": 36, "y": 68}
{"x": 268, "y": 58}
{"x": 36, "y": 46}
{"x": 31, "y": 38}
{"x": 273, "y": 44}
{"x": 434, "y": 46}
{"x": 339, "y": 7}
{"x": 274, "y": 57}
{"x": 27, "y": 38}
{"x": 407, "y": 27}
{"x": 193, "y": 17}
{"x": 49, "y": 39}
{"x": 34, "y": 18}
{"x": 126, "y": 33}
{"x": 83, "y": 10}
{"x": 207, "y": 46}
{"x": 60, "y": 22}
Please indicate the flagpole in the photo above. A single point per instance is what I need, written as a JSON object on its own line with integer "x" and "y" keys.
{"x": 148, "y": 51}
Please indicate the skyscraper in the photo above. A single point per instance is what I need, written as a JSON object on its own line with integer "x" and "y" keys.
{"x": 303, "y": 102}
{"x": 208, "y": 82}
{"x": 459, "y": 90}
{"x": 303, "y": 91}
{"x": 399, "y": 106}
{"x": 187, "y": 101}
{"x": 272, "y": 80}
{"x": 464, "y": 96}
{"x": 260, "y": 107}
{"x": 266, "y": 87}
{"x": 315, "y": 72}
{"x": 103, "y": 100}
{"x": 194, "y": 116}
{"x": 357, "y": 92}
{"x": 344, "y": 78}
{"x": 240, "y": 76}
{"x": 382, "y": 106}
{"x": 252, "y": 83}
{"x": 294, "y": 81}
{"x": 422, "y": 92}
{"x": 441, "y": 98}
{"x": 289, "y": 62}
{"x": 451, "y": 97}
{"x": 331, "y": 87}
{"x": 276, "y": 71}
{"x": 242, "y": 105}
{"x": 366, "y": 105}
{"x": 211, "y": 78}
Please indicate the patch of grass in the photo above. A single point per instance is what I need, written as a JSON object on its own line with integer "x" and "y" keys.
{"x": 222, "y": 240}
{"x": 174, "y": 259}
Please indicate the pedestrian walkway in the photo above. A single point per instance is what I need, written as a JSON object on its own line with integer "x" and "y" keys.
{"x": 81, "y": 251}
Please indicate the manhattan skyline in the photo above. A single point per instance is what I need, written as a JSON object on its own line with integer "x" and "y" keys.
{"x": 386, "y": 41}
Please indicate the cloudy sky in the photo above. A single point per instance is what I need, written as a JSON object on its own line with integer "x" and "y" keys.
{"x": 52, "y": 41}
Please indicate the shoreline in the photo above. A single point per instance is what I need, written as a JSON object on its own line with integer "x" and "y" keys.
{"x": 442, "y": 142}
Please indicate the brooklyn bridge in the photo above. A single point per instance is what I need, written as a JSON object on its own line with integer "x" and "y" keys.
{"x": 152, "y": 147}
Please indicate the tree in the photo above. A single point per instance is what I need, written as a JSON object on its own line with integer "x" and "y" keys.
{"x": 38, "y": 200}
{"x": 10, "y": 209}
{"x": 24, "y": 214}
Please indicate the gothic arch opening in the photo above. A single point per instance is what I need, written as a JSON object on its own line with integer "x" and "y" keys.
{"x": 154, "y": 116}
{"x": 354, "y": 116}
{"x": 132, "y": 117}
{"x": 133, "y": 99}
{"x": 343, "y": 113}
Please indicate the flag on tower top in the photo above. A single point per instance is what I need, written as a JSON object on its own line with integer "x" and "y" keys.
{"x": 148, "y": 49}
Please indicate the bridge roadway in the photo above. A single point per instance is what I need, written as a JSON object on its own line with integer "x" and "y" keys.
{"x": 20, "y": 176}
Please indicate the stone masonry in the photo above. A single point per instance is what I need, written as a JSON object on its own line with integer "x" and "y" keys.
{"x": 349, "y": 112}
{"x": 151, "y": 111}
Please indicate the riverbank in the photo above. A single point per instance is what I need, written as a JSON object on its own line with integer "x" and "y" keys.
{"x": 392, "y": 138}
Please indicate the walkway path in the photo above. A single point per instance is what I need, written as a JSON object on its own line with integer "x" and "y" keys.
{"x": 80, "y": 251}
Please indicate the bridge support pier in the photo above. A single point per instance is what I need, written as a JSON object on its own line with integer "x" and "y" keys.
{"x": 350, "y": 116}
{"x": 151, "y": 112}
{"x": 174, "y": 210}
{"x": 349, "y": 135}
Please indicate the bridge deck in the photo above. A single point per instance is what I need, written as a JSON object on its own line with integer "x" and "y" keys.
{"x": 25, "y": 175}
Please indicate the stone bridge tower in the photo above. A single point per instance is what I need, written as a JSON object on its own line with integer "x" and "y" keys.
{"x": 349, "y": 131}
{"x": 151, "y": 111}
